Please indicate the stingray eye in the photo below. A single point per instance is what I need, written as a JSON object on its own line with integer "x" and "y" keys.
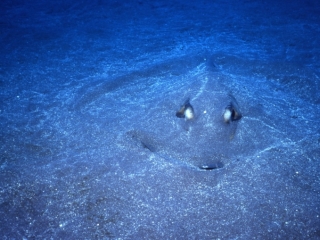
{"x": 227, "y": 115}
{"x": 189, "y": 113}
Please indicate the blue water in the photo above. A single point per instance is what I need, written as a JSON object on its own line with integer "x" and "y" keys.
{"x": 91, "y": 147}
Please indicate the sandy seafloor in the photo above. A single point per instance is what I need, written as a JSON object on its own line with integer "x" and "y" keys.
{"x": 90, "y": 144}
